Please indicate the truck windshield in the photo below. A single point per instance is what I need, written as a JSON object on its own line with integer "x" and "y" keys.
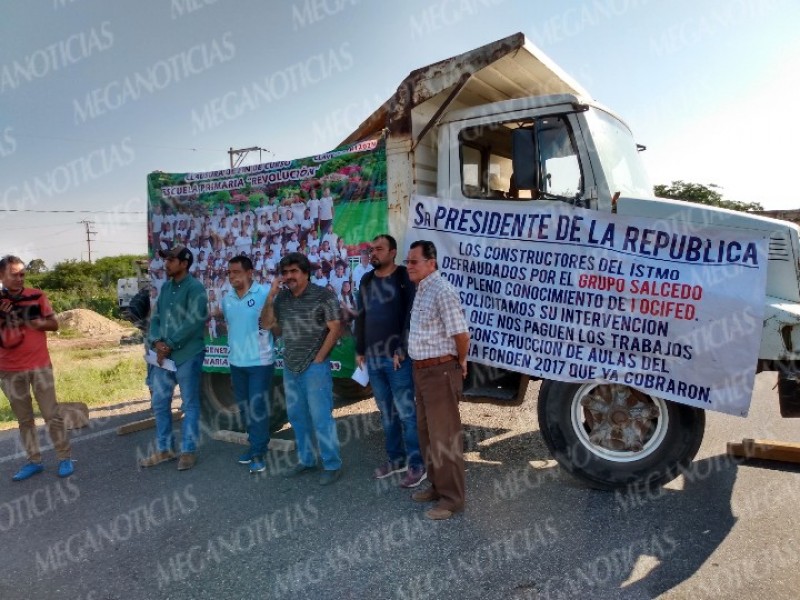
{"x": 618, "y": 156}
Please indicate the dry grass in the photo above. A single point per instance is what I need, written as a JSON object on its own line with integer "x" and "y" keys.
{"x": 95, "y": 371}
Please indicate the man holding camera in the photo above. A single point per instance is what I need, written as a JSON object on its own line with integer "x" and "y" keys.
{"x": 25, "y": 318}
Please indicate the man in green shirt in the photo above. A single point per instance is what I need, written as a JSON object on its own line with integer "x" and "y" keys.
{"x": 176, "y": 336}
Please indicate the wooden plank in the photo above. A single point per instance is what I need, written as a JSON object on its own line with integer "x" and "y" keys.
{"x": 237, "y": 437}
{"x": 148, "y": 423}
{"x": 233, "y": 437}
{"x": 766, "y": 450}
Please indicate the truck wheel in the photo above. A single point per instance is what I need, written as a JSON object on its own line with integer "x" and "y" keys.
{"x": 218, "y": 405}
{"x": 612, "y": 436}
{"x": 789, "y": 394}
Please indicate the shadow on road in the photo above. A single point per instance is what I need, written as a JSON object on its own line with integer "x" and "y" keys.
{"x": 622, "y": 544}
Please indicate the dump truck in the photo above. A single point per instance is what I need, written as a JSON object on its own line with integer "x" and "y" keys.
{"x": 503, "y": 126}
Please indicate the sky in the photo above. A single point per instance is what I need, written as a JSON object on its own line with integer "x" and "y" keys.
{"x": 94, "y": 95}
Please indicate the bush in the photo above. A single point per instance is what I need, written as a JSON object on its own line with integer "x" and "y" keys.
{"x": 78, "y": 284}
{"x": 104, "y": 303}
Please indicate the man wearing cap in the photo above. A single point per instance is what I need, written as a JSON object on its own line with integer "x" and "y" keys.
{"x": 176, "y": 333}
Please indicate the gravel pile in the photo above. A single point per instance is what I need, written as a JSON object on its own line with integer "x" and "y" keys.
{"x": 89, "y": 322}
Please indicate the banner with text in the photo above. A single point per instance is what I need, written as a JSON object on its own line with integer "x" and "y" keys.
{"x": 327, "y": 206}
{"x": 563, "y": 293}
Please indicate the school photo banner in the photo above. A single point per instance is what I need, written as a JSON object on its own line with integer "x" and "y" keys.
{"x": 575, "y": 295}
{"x": 329, "y": 207}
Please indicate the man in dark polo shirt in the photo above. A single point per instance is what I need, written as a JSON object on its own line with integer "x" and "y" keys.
{"x": 307, "y": 316}
{"x": 384, "y": 302}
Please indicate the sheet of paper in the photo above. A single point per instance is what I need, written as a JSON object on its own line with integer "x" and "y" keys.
{"x": 361, "y": 376}
{"x": 151, "y": 358}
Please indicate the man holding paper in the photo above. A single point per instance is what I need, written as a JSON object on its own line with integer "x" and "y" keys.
{"x": 176, "y": 335}
{"x": 385, "y": 297}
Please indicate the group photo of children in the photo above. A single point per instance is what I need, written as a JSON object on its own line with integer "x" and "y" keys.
{"x": 266, "y": 223}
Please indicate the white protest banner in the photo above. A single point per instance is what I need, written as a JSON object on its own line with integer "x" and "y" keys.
{"x": 571, "y": 294}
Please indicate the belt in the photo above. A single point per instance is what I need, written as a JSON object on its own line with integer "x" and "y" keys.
{"x": 432, "y": 362}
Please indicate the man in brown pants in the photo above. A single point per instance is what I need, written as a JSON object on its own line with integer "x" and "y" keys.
{"x": 438, "y": 343}
{"x": 25, "y": 317}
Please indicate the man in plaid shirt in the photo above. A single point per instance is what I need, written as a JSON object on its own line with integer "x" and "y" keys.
{"x": 438, "y": 344}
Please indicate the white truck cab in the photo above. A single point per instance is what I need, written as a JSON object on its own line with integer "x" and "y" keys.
{"x": 503, "y": 122}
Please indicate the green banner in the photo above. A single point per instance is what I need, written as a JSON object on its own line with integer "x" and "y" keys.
{"x": 328, "y": 206}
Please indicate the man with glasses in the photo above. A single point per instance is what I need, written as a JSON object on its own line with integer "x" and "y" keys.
{"x": 384, "y": 301}
{"x": 307, "y": 316}
{"x": 438, "y": 344}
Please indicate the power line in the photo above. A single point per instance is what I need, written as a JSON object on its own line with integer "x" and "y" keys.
{"x": 56, "y": 246}
{"x": 47, "y": 227}
{"x": 84, "y": 141}
{"x": 118, "y": 243}
{"x": 92, "y": 212}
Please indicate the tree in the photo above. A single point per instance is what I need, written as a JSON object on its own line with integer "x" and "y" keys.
{"x": 80, "y": 284}
{"x": 70, "y": 275}
{"x": 702, "y": 194}
{"x": 109, "y": 269}
{"x": 36, "y": 266}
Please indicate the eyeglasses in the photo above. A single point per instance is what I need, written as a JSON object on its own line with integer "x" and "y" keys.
{"x": 414, "y": 261}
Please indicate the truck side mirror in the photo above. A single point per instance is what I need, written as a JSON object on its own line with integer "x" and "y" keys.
{"x": 524, "y": 158}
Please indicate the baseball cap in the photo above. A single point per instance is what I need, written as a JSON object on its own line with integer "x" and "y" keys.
{"x": 179, "y": 252}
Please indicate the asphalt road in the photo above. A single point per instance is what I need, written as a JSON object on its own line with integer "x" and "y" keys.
{"x": 529, "y": 532}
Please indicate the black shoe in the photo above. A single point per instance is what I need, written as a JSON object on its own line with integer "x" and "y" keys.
{"x": 299, "y": 469}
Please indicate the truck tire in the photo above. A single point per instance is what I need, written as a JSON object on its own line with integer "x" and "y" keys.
{"x": 218, "y": 405}
{"x": 789, "y": 394}
{"x": 612, "y": 436}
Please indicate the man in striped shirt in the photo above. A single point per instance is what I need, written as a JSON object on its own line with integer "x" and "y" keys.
{"x": 307, "y": 316}
{"x": 438, "y": 344}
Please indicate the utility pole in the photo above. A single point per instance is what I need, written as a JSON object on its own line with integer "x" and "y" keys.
{"x": 89, "y": 232}
{"x": 241, "y": 153}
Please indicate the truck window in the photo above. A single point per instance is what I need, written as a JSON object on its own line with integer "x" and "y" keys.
{"x": 486, "y": 167}
{"x": 560, "y": 170}
{"x": 622, "y": 165}
{"x": 471, "y": 170}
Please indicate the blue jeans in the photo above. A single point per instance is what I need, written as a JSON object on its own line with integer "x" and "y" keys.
{"x": 309, "y": 405}
{"x": 251, "y": 386}
{"x": 394, "y": 395}
{"x": 148, "y": 380}
{"x": 187, "y": 377}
